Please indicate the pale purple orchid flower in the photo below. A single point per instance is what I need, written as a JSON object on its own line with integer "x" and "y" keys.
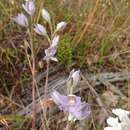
{"x": 80, "y": 110}
{"x": 51, "y": 51}
{"x": 29, "y": 7}
{"x": 49, "y": 54}
{"x": 72, "y": 104}
{"x": 40, "y": 29}
{"x": 21, "y": 19}
{"x": 60, "y": 26}
{"x": 55, "y": 41}
{"x": 75, "y": 77}
{"x": 46, "y": 15}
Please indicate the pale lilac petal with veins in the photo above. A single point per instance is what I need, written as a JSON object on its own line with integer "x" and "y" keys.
{"x": 40, "y": 29}
{"x": 21, "y": 19}
{"x": 55, "y": 41}
{"x": 80, "y": 111}
{"x": 59, "y": 100}
{"x": 71, "y": 72}
{"x": 29, "y": 7}
{"x": 49, "y": 53}
{"x": 72, "y": 104}
{"x": 76, "y": 78}
{"x": 60, "y": 26}
{"x": 46, "y": 15}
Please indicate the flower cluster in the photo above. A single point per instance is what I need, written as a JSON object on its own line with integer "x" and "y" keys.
{"x": 22, "y": 20}
{"x": 41, "y": 30}
{"x": 71, "y": 103}
{"x": 121, "y": 122}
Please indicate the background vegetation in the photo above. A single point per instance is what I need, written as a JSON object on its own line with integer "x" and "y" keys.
{"x": 97, "y": 39}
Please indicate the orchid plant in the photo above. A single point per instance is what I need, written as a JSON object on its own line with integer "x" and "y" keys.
{"x": 53, "y": 40}
{"x": 72, "y": 104}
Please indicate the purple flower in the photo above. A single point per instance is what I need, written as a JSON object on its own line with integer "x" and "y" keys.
{"x": 49, "y": 53}
{"x": 60, "y": 26}
{"x": 59, "y": 99}
{"x": 40, "y": 29}
{"x": 29, "y": 7}
{"x": 72, "y": 104}
{"x": 75, "y": 77}
{"x": 21, "y": 19}
{"x": 80, "y": 110}
{"x": 55, "y": 41}
{"x": 46, "y": 15}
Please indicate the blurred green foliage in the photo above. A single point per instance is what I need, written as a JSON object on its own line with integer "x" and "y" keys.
{"x": 103, "y": 47}
{"x": 65, "y": 50}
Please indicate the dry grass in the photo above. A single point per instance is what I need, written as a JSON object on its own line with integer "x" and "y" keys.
{"x": 99, "y": 39}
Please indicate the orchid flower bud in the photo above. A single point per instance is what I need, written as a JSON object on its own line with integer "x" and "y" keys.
{"x": 29, "y": 7}
{"x": 55, "y": 41}
{"x": 21, "y": 19}
{"x": 76, "y": 78}
{"x": 60, "y": 26}
{"x": 73, "y": 80}
{"x": 46, "y": 15}
{"x": 40, "y": 29}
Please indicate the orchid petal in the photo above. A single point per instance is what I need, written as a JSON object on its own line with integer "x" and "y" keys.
{"x": 40, "y": 29}
{"x": 29, "y": 7}
{"x": 55, "y": 41}
{"x": 46, "y": 15}
{"x": 21, "y": 19}
{"x": 60, "y": 26}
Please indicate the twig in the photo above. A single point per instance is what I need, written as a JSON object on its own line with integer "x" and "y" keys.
{"x": 32, "y": 68}
{"x": 46, "y": 82}
{"x": 95, "y": 93}
{"x": 112, "y": 87}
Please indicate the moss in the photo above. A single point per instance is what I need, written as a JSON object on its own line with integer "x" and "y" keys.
{"x": 65, "y": 51}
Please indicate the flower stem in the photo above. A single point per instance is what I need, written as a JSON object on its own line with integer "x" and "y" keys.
{"x": 68, "y": 126}
{"x": 51, "y": 29}
{"x": 46, "y": 83}
{"x": 33, "y": 69}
